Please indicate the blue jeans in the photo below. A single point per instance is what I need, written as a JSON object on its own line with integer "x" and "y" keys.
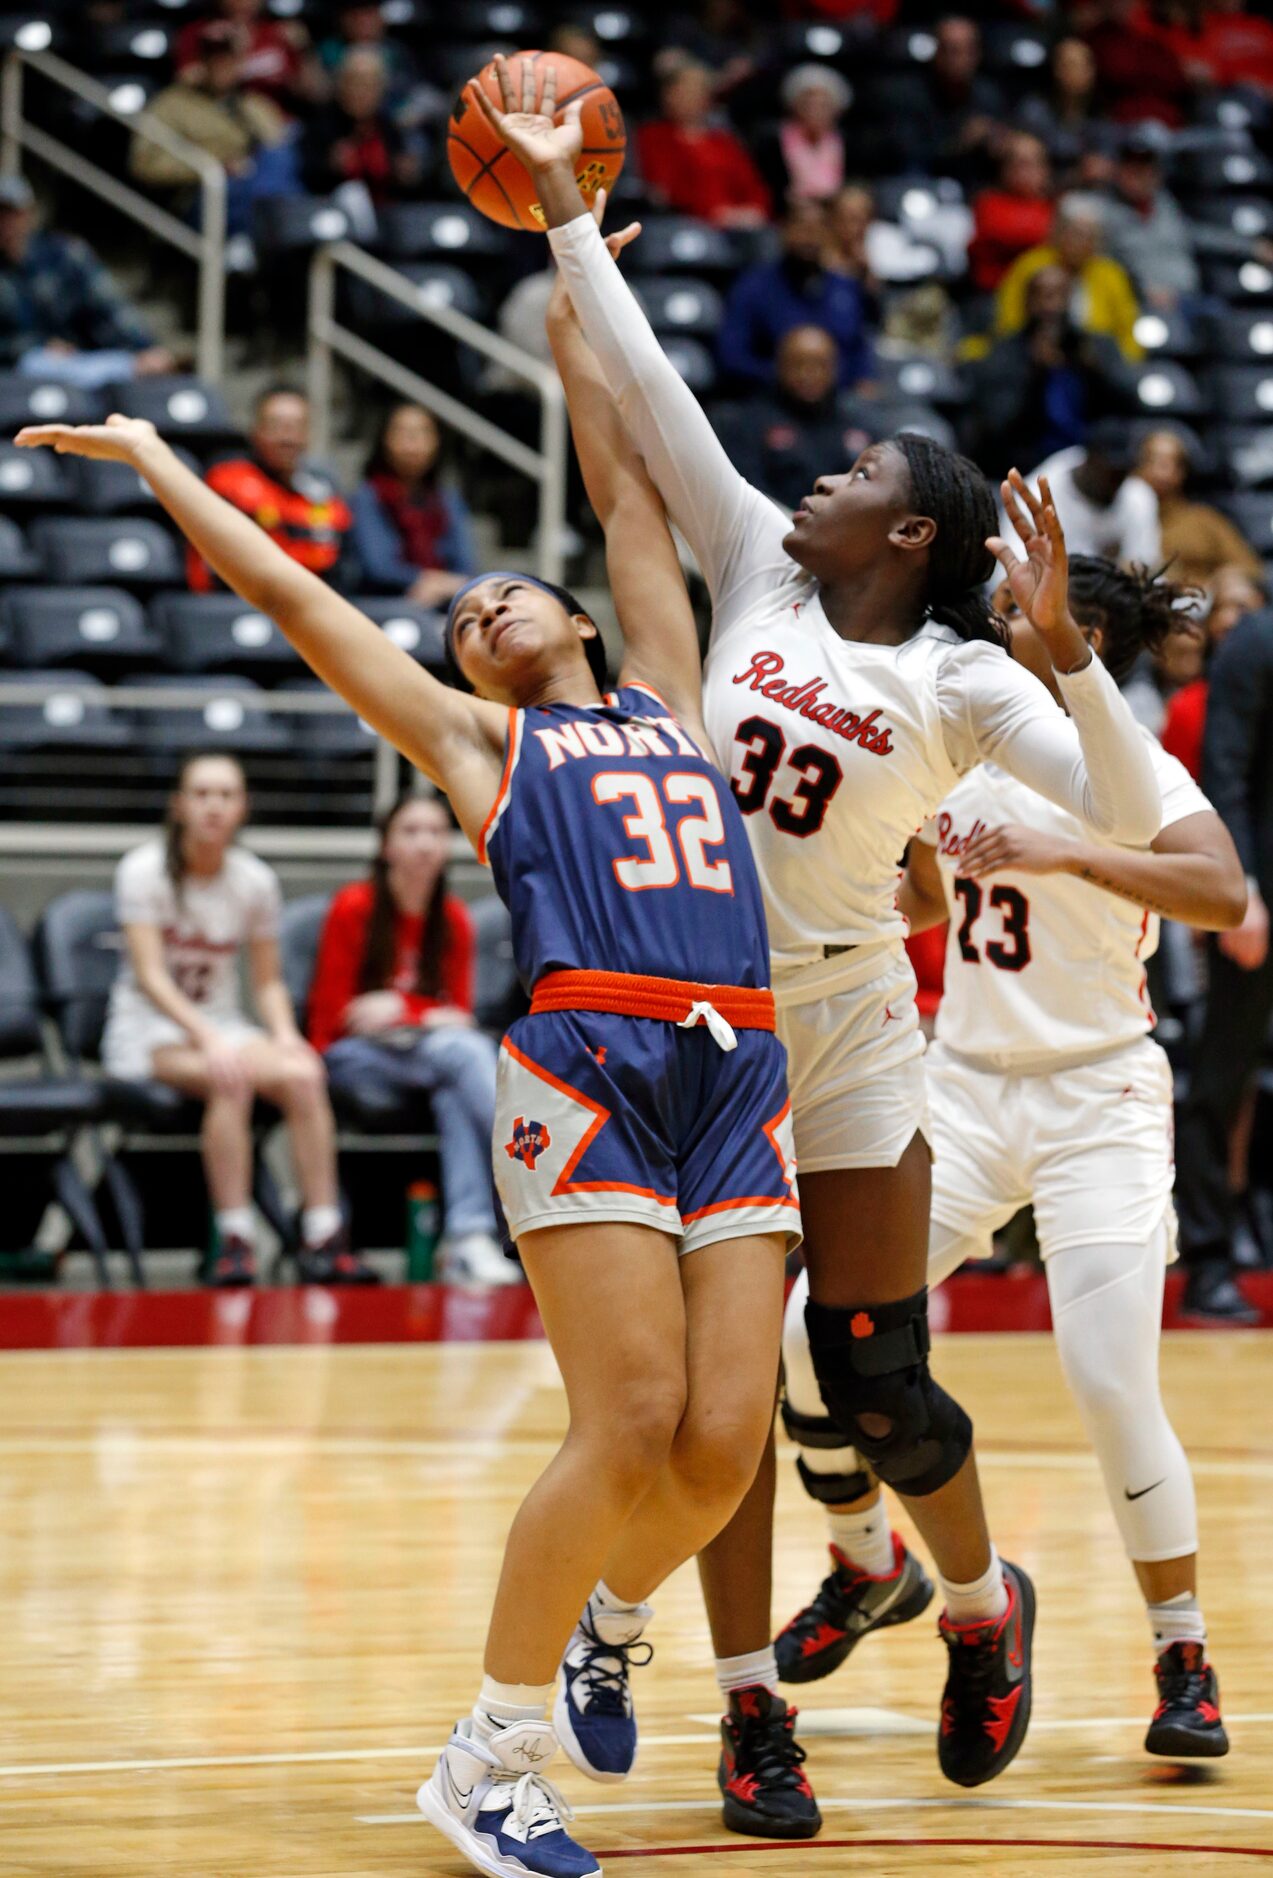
{"x": 455, "y": 1066}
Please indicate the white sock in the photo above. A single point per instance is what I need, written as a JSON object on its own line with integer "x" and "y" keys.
{"x": 319, "y": 1223}
{"x": 866, "y": 1537}
{"x": 237, "y": 1222}
{"x": 982, "y": 1600}
{"x": 500, "y": 1704}
{"x": 613, "y": 1619}
{"x": 1177, "y": 1620}
{"x": 759, "y": 1669}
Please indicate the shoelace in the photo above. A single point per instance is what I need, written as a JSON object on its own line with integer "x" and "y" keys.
{"x": 1182, "y": 1687}
{"x": 769, "y": 1750}
{"x": 537, "y": 1806}
{"x": 607, "y": 1686}
{"x": 976, "y": 1666}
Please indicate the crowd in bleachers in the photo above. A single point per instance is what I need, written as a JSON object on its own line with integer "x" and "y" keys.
{"x": 1044, "y": 234}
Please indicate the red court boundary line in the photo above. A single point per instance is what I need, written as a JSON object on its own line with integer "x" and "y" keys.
{"x": 995, "y": 1845}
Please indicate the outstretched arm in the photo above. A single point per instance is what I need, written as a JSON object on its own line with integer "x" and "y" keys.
{"x": 734, "y": 532}
{"x": 1191, "y": 873}
{"x": 1098, "y": 765}
{"x": 660, "y": 638}
{"x": 456, "y": 740}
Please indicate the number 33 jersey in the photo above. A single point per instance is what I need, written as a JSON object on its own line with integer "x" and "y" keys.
{"x": 617, "y": 846}
{"x": 1042, "y": 967}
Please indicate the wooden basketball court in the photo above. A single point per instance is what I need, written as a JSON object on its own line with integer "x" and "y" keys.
{"x": 244, "y": 1592}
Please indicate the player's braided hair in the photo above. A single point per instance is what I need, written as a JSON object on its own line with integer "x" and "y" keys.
{"x": 1136, "y": 610}
{"x": 952, "y": 490}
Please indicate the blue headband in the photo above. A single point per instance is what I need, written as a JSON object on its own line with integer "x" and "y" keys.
{"x": 500, "y": 573}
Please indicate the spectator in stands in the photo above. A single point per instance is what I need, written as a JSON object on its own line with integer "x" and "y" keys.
{"x": 295, "y": 502}
{"x": 1238, "y": 777}
{"x": 1232, "y": 593}
{"x": 783, "y": 438}
{"x": 392, "y": 1003}
{"x": 805, "y": 156}
{"x": 61, "y": 314}
{"x": 798, "y": 289}
{"x": 1103, "y": 299}
{"x": 1222, "y": 41}
{"x": 1196, "y": 538}
{"x": 191, "y": 903}
{"x": 1146, "y": 229}
{"x": 362, "y": 26}
{"x": 942, "y": 118}
{"x": 354, "y": 139}
{"x": 869, "y": 250}
{"x": 1014, "y": 216}
{"x": 274, "y": 53}
{"x": 1102, "y": 505}
{"x": 244, "y": 130}
{"x": 1037, "y": 391}
{"x": 412, "y": 535}
{"x": 1138, "y": 75}
{"x": 1066, "y": 117}
{"x": 695, "y": 165}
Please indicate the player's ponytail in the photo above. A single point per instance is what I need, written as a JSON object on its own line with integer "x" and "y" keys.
{"x": 1135, "y": 610}
{"x": 952, "y": 490}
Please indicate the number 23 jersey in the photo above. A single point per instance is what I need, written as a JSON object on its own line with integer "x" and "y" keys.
{"x": 1042, "y": 967}
{"x": 617, "y": 846}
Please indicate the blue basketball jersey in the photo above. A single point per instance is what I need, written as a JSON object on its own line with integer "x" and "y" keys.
{"x": 617, "y": 846}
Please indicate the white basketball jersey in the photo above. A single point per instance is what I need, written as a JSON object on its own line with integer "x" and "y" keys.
{"x": 836, "y": 756}
{"x": 1042, "y": 967}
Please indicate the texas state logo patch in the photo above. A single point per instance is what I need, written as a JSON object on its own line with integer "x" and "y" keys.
{"x": 530, "y": 1140}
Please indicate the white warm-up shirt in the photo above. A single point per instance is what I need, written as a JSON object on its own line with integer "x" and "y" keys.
{"x": 1042, "y": 968}
{"x": 1128, "y": 530}
{"x": 203, "y": 934}
{"x": 839, "y": 750}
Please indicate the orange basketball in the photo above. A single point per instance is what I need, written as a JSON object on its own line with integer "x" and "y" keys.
{"x": 492, "y": 177}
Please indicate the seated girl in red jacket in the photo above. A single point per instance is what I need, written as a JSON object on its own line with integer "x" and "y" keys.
{"x": 392, "y": 999}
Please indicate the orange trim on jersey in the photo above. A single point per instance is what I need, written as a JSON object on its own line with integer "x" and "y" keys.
{"x": 600, "y": 1116}
{"x": 639, "y": 684}
{"x": 770, "y": 1132}
{"x": 631, "y": 994}
{"x": 512, "y": 751}
{"x": 732, "y": 1206}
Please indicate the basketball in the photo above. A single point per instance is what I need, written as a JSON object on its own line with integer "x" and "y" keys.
{"x": 491, "y": 176}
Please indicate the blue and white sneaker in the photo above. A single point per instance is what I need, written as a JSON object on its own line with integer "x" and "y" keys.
{"x": 495, "y": 1805}
{"x": 593, "y": 1711}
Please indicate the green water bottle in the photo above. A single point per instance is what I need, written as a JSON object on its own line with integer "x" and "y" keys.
{"x": 423, "y": 1221}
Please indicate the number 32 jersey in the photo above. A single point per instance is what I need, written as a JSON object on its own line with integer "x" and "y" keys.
{"x": 1042, "y": 967}
{"x": 617, "y": 846}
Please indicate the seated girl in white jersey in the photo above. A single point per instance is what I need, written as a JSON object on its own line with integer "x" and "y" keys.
{"x": 855, "y": 673}
{"x": 1046, "y": 1089}
{"x": 191, "y": 903}
{"x": 639, "y": 1114}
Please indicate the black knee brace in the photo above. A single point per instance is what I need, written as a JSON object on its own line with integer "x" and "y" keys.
{"x": 819, "y": 1431}
{"x": 872, "y": 1359}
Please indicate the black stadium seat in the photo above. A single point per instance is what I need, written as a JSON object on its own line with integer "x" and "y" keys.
{"x": 26, "y": 400}
{"x": 441, "y": 231}
{"x": 221, "y": 719}
{"x": 329, "y": 736}
{"x": 1244, "y": 393}
{"x": 132, "y": 552}
{"x": 1241, "y": 283}
{"x": 437, "y": 283}
{"x": 1253, "y": 513}
{"x": 98, "y": 628}
{"x": 177, "y": 407}
{"x": 71, "y": 719}
{"x": 676, "y": 244}
{"x": 694, "y": 363}
{"x": 417, "y": 629}
{"x": 34, "y": 478}
{"x": 1162, "y": 386}
{"x": 927, "y": 381}
{"x": 115, "y": 488}
{"x": 1169, "y": 335}
{"x": 1245, "y": 337}
{"x": 1247, "y": 449}
{"x": 18, "y": 560}
{"x": 1215, "y": 171}
{"x": 218, "y": 632}
{"x": 681, "y": 305}
{"x": 1249, "y": 216}
{"x": 291, "y": 225}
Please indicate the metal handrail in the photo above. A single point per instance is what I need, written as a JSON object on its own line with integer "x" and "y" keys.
{"x": 204, "y": 245}
{"x": 328, "y": 339}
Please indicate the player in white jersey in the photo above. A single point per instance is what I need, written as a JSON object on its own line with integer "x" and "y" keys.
{"x": 855, "y": 674}
{"x": 191, "y": 904}
{"x": 1045, "y": 1088}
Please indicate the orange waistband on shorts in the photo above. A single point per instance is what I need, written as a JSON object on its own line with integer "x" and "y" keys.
{"x": 628, "y": 994}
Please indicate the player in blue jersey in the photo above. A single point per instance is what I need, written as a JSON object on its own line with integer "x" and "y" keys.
{"x": 642, "y": 1109}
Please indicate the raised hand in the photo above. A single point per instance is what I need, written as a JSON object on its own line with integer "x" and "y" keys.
{"x": 118, "y": 440}
{"x": 529, "y": 126}
{"x": 1040, "y": 583}
{"x": 560, "y": 310}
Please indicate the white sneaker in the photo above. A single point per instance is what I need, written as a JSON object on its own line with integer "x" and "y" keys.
{"x": 475, "y": 1258}
{"x": 493, "y": 1802}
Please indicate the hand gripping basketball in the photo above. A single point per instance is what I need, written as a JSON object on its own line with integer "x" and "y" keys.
{"x": 520, "y": 117}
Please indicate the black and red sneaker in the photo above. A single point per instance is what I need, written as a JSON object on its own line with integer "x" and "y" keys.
{"x": 232, "y": 1266}
{"x": 761, "y": 1773}
{"x": 1186, "y": 1724}
{"x": 333, "y": 1262}
{"x": 985, "y": 1708}
{"x": 850, "y": 1604}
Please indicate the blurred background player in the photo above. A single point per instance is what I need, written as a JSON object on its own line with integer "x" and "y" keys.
{"x": 1045, "y": 1088}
